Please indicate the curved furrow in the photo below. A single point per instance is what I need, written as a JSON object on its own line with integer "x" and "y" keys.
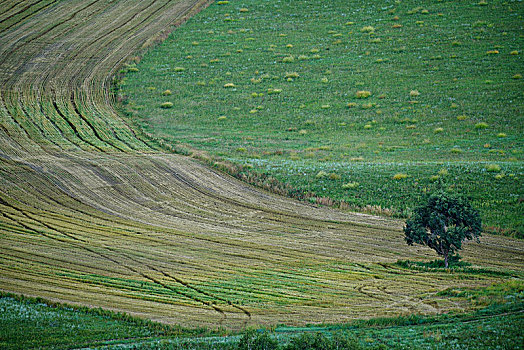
{"x": 16, "y": 142}
{"x": 82, "y": 243}
{"x": 112, "y": 62}
{"x": 121, "y": 26}
{"x": 134, "y": 270}
{"x": 103, "y": 218}
{"x": 6, "y": 6}
{"x": 23, "y": 11}
{"x": 10, "y": 51}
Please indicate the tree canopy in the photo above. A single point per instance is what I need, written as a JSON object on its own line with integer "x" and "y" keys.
{"x": 443, "y": 223}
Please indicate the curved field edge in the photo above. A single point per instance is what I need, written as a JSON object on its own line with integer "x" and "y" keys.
{"x": 92, "y": 214}
{"x": 281, "y": 101}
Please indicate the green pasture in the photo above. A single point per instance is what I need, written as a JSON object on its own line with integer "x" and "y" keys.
{"x": 368, "y": 103}
{"x": 497, "y": 323}
{"x": 27, "y": 323}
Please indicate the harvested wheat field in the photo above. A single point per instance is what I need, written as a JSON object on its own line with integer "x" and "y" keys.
{"x": 95, "y": 212}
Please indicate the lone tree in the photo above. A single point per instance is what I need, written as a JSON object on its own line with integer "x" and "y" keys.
{"x": 443, "y": 223}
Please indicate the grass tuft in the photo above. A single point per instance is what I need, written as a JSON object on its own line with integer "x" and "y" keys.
{"x": 363, "y": 94}
{"x": 288, "y": 59}
{"x": 400, "y": 176}
{"x": 414, "y": 93}
{"x": 493, "y": 168}
{"x": 321, "y": 174}
{"x": 292, "y": 75}
{"x": 274, "y": 91}
{"x": 350, "y": 185}
{"x": 443, "y": 172}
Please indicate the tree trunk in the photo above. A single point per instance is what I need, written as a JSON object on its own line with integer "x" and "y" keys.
{"x": 446, "y": 251}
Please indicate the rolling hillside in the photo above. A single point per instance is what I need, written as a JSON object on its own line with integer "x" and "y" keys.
{"x": 94, "y": 212}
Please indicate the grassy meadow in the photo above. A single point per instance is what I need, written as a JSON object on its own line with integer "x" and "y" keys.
{"x": 356, "y": 102}
{"x": 31, "y": 323}
{"x": 497, "y": 323}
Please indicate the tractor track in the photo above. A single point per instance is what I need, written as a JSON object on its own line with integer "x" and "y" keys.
{"x": 80, "y": 243}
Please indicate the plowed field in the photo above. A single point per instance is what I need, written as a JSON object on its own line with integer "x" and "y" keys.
{"x": 93, "y": 212}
